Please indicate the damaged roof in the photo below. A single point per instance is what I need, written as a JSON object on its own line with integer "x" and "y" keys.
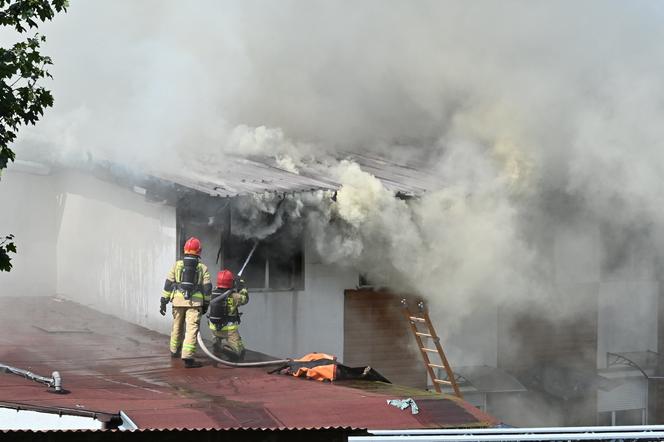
{"x": 109, "y": 365}
{"x": 247, "y": 175}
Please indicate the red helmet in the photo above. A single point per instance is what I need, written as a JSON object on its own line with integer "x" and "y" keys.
{"x": 192, "y": 246}
{"x": 225, "y": 279}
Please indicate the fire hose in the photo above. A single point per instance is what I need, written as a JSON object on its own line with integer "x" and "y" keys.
{"x": 212, "y": 356}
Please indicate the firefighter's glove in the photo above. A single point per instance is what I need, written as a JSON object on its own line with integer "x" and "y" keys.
{"x": 204, "y": 309}
{"x": 244, "y": 292}
{"x": 162, "y": 308}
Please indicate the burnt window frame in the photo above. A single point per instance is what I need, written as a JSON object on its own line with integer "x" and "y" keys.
{"x": 214, "y": 227}
{"x": 266, "y": 257}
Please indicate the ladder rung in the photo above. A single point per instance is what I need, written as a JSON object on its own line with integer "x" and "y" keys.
{"x": 436, "y": 365}
{"x": 415, "y": 318}
{"x": 430, "y": 350}
{"x": 423, "y": 334}
{"x": 440, "y": 381}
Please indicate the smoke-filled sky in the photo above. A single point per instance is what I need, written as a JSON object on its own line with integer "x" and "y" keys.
{"x": 139, "y": 79}
{"x": 536, "y": 114}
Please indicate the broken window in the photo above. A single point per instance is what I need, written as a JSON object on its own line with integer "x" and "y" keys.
{"x": 271, "y": 266}
{"x": 277, "y": 262}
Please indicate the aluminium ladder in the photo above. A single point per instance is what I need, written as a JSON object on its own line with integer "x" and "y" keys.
{"x": 424, "y": 320}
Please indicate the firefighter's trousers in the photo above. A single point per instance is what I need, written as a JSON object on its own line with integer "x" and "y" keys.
{"x": 186, "y": 321}
{"x": 229, "y": 341}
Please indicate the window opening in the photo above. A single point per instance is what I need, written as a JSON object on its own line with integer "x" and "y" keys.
{"x": 277, "y": 263}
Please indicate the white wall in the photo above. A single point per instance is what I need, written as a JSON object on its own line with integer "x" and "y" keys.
{"x": 104, "y": 246}
{"x": 293, "y": 323}
{"x": 114, "y": 250}
{"x": 29, "y": 210}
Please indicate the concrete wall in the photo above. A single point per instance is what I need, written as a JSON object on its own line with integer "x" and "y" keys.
{"x": 29, "y": 209}
{"x": 114, "y": 249}
{"x": 293, "y": 323}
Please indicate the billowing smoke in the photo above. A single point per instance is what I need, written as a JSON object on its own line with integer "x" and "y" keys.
{"x": 533, "y": 115}
{"x": 542, "y": 119}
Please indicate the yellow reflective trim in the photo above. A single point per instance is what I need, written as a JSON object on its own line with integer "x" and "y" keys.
{"x": 196, "y": 295}
{"x": 230, "y": 327}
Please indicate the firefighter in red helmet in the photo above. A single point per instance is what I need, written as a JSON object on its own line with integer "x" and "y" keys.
{"x": 225, "y": 317}
{"x": 189, "y": 287}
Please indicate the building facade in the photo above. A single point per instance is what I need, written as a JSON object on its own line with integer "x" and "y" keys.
{"x": 107, "y": 243}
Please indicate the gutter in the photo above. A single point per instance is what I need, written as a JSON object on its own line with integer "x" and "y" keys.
{"x": 103, "y": 417}
{"x": 127, "y": 423}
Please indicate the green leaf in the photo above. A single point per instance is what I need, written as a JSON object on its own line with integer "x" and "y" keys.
{"x": 5, "y": 260}
{"x": 22, "y": 66}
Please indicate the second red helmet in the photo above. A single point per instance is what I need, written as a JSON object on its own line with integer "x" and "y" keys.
{"x": 225, "y": 279}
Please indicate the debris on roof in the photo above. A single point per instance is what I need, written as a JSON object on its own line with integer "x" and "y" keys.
{"x": 117, "y": 366}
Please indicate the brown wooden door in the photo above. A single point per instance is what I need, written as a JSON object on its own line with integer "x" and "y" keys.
{"x": 377, "y": 334}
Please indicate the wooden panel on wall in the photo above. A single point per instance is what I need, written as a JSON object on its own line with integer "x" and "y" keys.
{"x": 377, "y": 334}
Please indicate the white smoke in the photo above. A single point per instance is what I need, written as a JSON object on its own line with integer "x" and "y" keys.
{"x": 508, "y": 102}
{"x": 542, "y": 119}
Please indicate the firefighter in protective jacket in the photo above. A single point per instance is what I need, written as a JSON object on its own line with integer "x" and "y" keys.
{"x": 225, "y": 317}
{"x": 189, "y": 287}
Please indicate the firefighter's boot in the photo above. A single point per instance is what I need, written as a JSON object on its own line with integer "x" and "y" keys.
{"x": 232, "y": 354}
{"x": 191, "y": 363}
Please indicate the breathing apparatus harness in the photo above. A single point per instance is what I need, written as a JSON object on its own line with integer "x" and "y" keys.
{"x": 188, "y": 284}
{"x": 218, "y": 313}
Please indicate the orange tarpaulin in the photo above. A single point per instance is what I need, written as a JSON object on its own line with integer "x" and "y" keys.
{"x": 317, "y": 366}
{"x": 324, "y": 367}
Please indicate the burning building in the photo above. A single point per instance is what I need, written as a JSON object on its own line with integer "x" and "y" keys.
{"x": 508, "y": 359}
{"x": 510, "y": 174}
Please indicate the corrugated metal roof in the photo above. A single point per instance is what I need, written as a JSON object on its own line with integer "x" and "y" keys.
{"x": 194, "y": 430}
{"x": 119, "y": 366}
{"x": 247, "y": 175}
{"x": 176, "y": 435}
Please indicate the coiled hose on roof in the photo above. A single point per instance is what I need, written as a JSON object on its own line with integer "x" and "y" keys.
{"x": 211, "y": 355}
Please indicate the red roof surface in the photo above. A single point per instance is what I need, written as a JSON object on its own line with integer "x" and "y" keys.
{"x": 110, "y": 365}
